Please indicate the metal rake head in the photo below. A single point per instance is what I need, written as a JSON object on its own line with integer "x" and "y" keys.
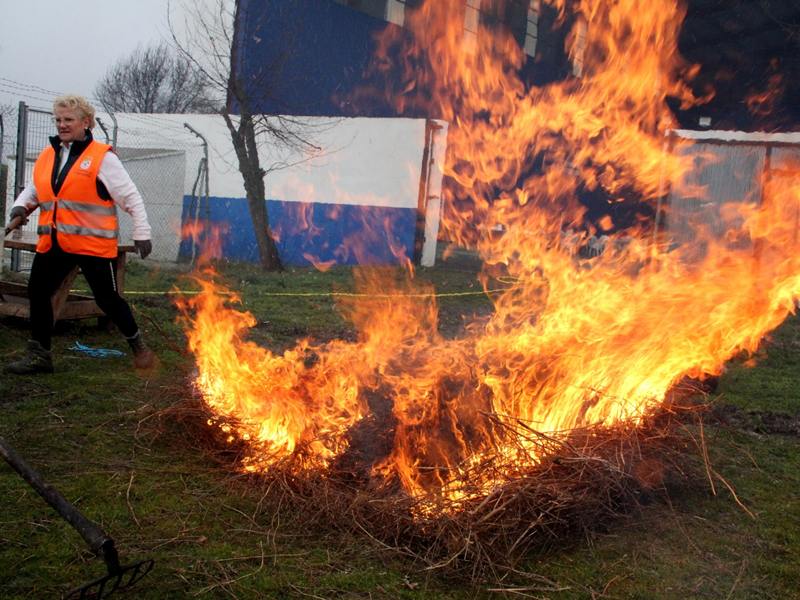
{"x": 115, "y": 581}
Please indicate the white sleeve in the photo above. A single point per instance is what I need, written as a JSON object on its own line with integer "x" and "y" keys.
{"x": 124, "y": 193}
{"x": 28, "y": 198}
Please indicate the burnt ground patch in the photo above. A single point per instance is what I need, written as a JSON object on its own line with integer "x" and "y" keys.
{"x": 758, "y": 421}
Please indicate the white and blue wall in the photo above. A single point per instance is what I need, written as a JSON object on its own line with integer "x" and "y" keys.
{"x": 364, "y": 197}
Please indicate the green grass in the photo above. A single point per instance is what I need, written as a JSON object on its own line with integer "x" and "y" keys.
{"x": 92, "y": 430}
{"x": 773, "y": 385}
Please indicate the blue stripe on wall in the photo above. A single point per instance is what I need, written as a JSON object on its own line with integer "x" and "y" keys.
{"x": 328, "y": 233}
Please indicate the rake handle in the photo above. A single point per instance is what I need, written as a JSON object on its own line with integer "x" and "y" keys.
{"x": 13, "y": 224}
{"x": 94, "y": 536}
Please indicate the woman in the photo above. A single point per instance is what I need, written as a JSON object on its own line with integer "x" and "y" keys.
{"x": 77, "y": 185}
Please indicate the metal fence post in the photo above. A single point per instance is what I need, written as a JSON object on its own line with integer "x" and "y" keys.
{"x": 3, "y": 178}
{"x": 201, "y": 182}
{"x": 102, "y": 126}
{"x": 3, "y": 190}
{"x": 19, "y": 167}
{"x": 22, "y": 144}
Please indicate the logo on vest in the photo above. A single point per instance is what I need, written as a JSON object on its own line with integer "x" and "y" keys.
{"x": 86, "y": 163}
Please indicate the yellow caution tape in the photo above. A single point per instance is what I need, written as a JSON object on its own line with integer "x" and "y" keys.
{"x": 308, "y": 294}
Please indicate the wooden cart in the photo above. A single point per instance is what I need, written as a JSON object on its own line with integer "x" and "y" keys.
{"x": 66, "y": 305}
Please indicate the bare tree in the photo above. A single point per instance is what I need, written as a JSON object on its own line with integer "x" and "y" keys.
{"x": 155, "y": 79}
{"x": 209, "y": 45}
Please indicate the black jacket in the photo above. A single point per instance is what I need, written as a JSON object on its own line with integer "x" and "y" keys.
{"x": 75, "y": 150}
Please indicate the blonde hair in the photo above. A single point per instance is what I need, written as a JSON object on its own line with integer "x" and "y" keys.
{"x": 77, "y": 103}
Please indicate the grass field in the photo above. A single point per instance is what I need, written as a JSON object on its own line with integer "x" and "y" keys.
{"x": 96, "y": 431}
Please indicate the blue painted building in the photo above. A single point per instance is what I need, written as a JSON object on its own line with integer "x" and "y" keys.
{"x": 314, "y": 53}
{"x": 307, "y": 57}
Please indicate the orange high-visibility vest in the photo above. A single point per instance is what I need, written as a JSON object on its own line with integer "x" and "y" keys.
{"x": 85, "y": 223}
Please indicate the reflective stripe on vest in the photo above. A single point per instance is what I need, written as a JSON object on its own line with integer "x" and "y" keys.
{"x": 79, "y": 230}
{"x": 83, "y": 212}
{"x": 95, "y": 209}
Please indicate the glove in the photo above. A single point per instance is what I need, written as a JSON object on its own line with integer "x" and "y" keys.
{"x": 19, "y": 211}
{"x": 144, "y": 247}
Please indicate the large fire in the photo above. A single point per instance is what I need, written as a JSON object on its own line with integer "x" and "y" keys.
{"x": 572, "y": 342}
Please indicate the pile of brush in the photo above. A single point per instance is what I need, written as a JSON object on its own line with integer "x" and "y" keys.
{"x": 580, "y": 481}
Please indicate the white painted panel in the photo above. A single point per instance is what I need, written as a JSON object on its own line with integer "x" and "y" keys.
{"x": 360, "y": 161}
{"x": 364, "y": 162}
{"x": 434, "y": 206}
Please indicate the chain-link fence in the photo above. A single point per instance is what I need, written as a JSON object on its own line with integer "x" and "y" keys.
{"x": 164, "y": 159}
{"x": 734, "y": 169}
{"x": 34, "y": 127}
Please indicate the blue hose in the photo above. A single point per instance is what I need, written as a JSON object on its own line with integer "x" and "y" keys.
{"x": 95, "y": 352}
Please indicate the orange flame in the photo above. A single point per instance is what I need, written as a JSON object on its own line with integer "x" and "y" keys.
{"x": 762, "y": 103}
{"x": 572, "y": 342}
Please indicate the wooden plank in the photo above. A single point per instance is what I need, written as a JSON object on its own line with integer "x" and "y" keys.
{"x": 79, "y": 309}
{"x": 15, "y": 309}
{"x": 59, "y": 299}
{"x": 14, "y": 299}
{"x": 13, "y": 288}
{"x": 27, "y": 240}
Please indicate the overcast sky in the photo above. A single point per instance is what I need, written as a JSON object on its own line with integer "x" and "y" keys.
{"x": 63, "y": 46}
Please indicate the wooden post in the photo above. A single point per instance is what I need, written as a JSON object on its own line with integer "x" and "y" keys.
{"x": 3, "y": 190}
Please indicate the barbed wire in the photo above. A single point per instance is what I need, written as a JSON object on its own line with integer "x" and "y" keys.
{"x": 30, "y": 87}
{"x": 27, "y": 86}
{"x": 163, "y": 125}
{"x": 228, "y": 157}
{"x": 20, "y": 94}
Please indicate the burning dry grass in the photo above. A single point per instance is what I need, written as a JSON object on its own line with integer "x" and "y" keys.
{"x": 551, "y": 415}
{"x": 581, "y": 482}
{"x": 436, "y": 446}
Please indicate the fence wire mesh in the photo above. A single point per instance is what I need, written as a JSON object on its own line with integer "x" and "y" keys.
{"x": 735, "y": 175}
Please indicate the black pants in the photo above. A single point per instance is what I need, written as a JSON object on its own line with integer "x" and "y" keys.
{"x": 48, "y": 272}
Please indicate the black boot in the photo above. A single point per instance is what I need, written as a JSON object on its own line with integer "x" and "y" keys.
{"x": 36, "y": 360}
{"x": 143, "y": 357}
